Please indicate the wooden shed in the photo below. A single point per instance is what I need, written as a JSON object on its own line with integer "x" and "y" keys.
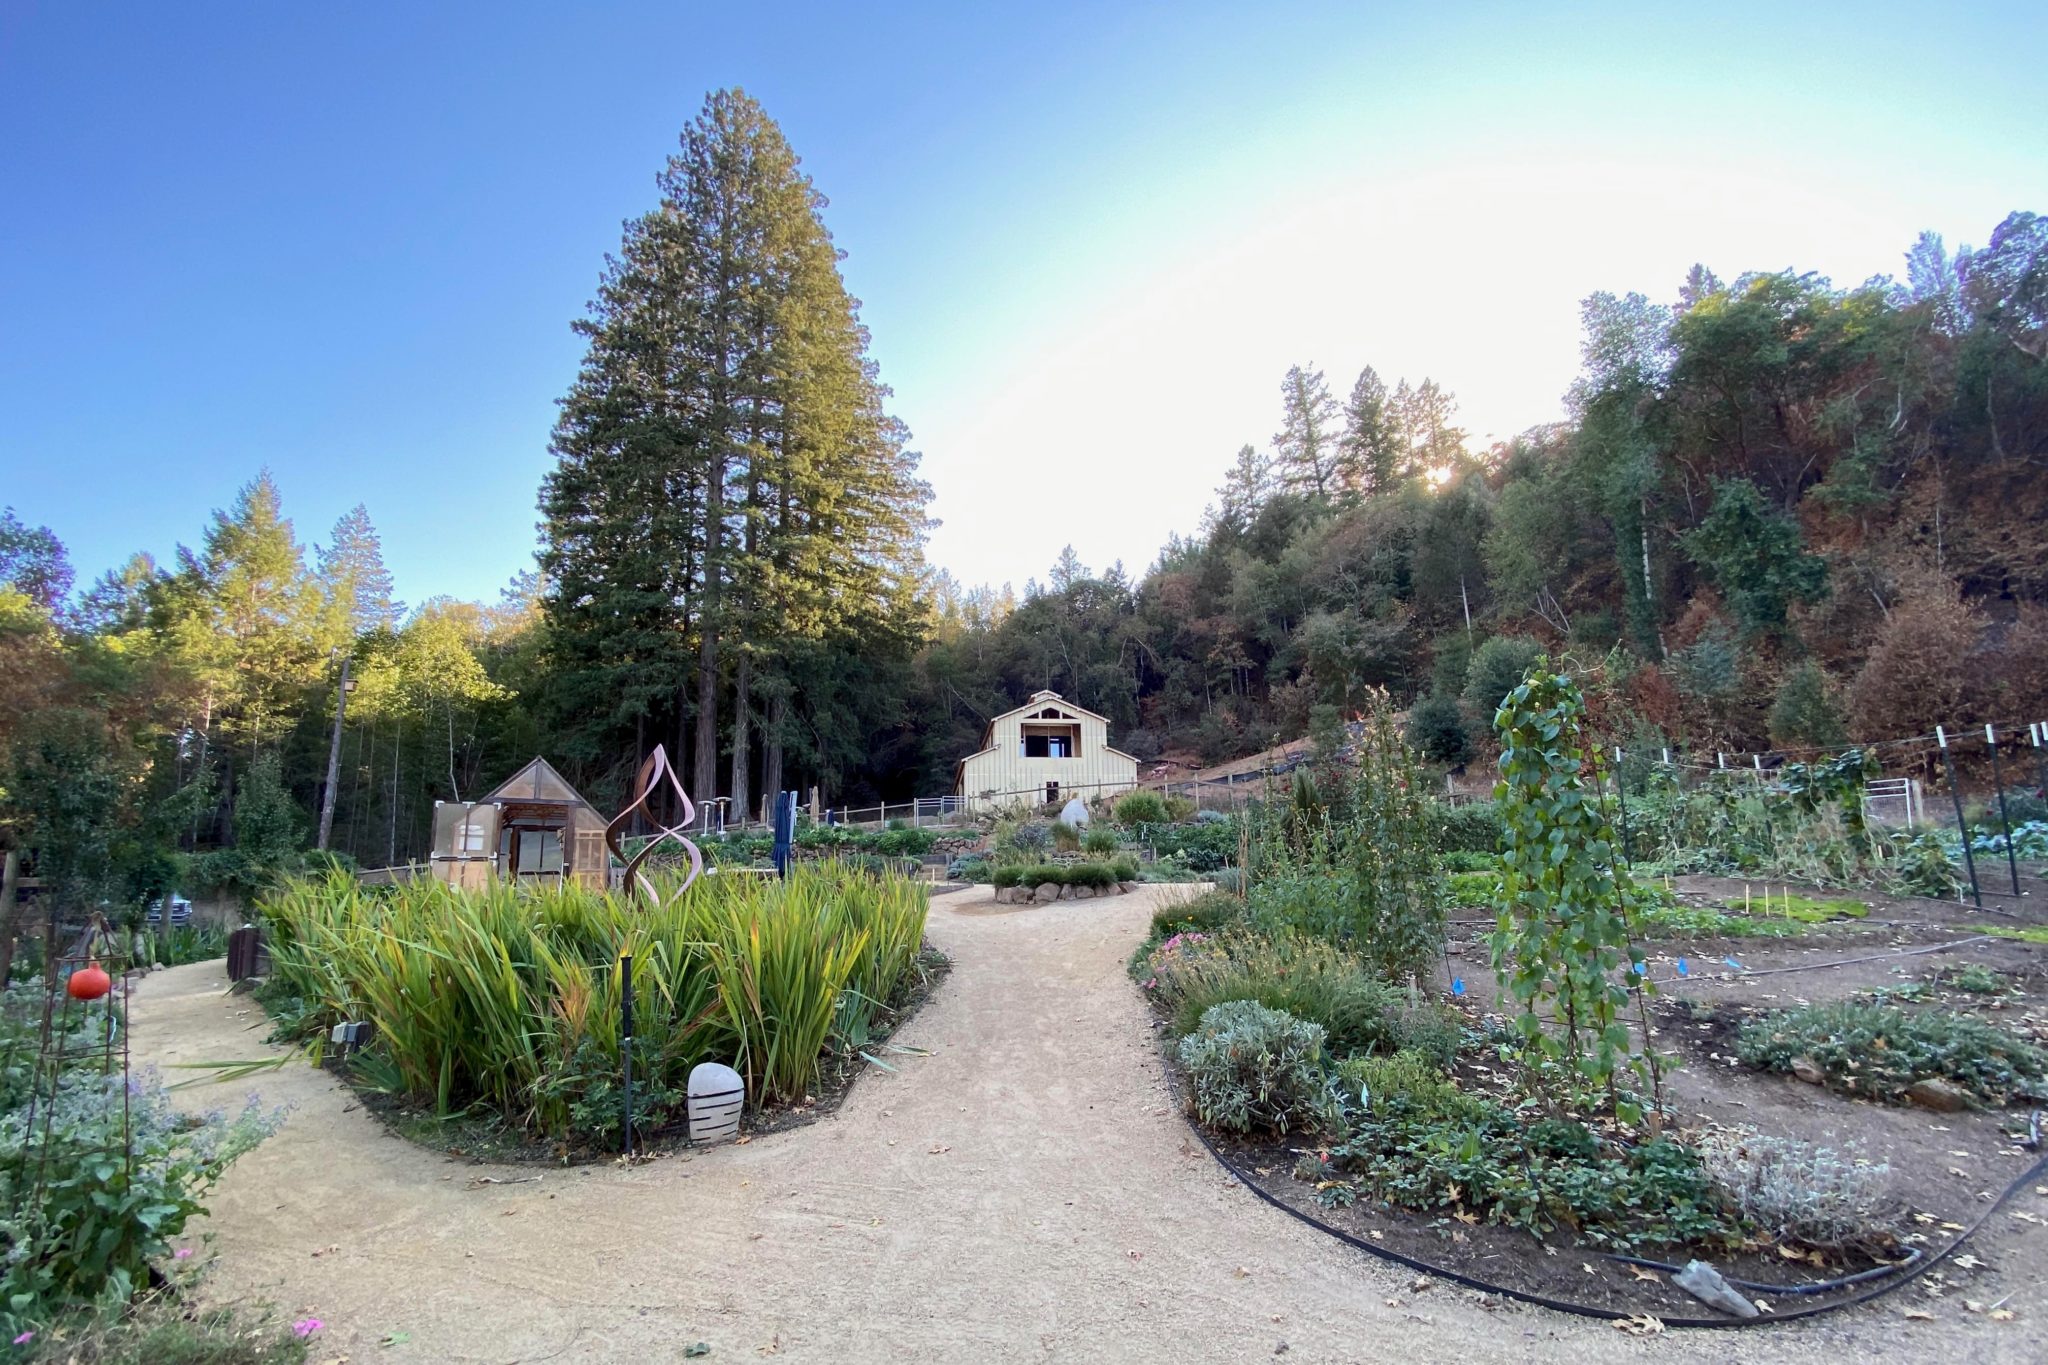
{"x": 534, "y": 827}
{"x": 1046, "y": 750}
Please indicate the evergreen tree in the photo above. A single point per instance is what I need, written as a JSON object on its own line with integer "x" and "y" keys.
{"x": 1372, "y": 455}
{"x": 353, "y": 579}
{"x": 1700, "y": 284}
{"x": 246, "y": 617}
{"x": 33, "y": 562}
{"x": 1306, "y": 448}
{"x": 1068, "y": 571}
{"x": 728, "y": 481}
{"x": 1245, "y": 489}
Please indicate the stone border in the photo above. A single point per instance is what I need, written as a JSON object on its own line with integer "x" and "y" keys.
{"x": 1046, "y": 892}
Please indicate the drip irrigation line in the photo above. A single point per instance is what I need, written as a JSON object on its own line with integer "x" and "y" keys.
{"x": 1817, "y": 1287}
{"x": 1841, "y": 962}
{"x": 1907, "y": 1271}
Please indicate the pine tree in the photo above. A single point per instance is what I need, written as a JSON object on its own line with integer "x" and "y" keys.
{"x": 1306, "y": 447}
{"x": 1245, "y": 488}
{"x": 354, "y": 580}
{"x": 1439, "y": 442}
{"x": 1372, "y": 455}
{"x": 1068, "y": 570}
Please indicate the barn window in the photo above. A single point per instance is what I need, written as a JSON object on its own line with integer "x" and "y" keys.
{"x": 1051, "y": 741}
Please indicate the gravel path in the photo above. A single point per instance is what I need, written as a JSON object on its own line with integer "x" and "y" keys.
{"x": 1026, "y": 1193}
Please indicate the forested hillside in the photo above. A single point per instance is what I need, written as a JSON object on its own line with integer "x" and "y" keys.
{"x": 1779, "y": 513}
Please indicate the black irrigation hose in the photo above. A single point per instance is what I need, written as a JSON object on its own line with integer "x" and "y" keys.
{"x": 1908, "y": 1271}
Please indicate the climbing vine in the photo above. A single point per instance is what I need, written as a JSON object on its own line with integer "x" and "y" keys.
{"x": 1563, "y": 933}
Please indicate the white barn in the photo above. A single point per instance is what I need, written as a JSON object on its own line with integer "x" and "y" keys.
{"x": 1046, "y": 750}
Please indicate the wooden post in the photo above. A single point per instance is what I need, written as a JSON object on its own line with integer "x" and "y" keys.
{"x": 10, "y": 879}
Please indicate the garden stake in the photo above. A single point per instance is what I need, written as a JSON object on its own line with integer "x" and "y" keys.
{"x": 1621, "y": 795}
{"x": 626, "y": 1046}
{"x": 2039, "y": 731}
{"x": 1962, "y": 830}
{"x": 2004, "y": 821}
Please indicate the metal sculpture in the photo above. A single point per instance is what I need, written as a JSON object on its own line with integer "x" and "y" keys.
{"x": 653, "y": 772}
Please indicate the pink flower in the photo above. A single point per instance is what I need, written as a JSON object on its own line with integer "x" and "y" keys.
{"x": 305, "y": 1327}
{"x": 25, "y": 1338}
{"x": 182, "y": 1253}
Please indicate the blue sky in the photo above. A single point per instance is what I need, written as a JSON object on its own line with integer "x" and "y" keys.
{"x": 347, "y": 242}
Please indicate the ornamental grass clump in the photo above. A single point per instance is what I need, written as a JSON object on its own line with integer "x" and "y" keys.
{"x": 1258, "y": 1069}
{"x": 1882, "y": 1051}
{"x": 508, "y": 997}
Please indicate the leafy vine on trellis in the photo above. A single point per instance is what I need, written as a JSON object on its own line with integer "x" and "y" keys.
{"x": 1563, "y": 931}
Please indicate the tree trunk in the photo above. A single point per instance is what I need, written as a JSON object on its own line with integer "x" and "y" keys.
{"x": 391, "y": 840}
{"x": 708, "y": 620}
{"x": 771, "y": 758}
{"x": 454, "y": 787}
{"x": 742, "y": 737}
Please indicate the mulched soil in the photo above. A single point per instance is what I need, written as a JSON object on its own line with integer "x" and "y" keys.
{"x": 1945, "y": 1168}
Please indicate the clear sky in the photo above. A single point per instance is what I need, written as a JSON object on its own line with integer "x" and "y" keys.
{"x": 347, "y": 241}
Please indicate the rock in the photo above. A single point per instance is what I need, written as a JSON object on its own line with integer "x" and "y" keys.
{"x": 1126, "y": 888}
{"x": 1704, "y": 1283}
{"x": 1938, "y": 1095}
{"x": 1066, "y": 893}
{"x": 1808, "y": 1070}
{"x": 1046, "y": 891}
{"x": 1084, "y": 893}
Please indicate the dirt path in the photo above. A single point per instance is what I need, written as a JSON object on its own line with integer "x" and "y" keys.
{"x": 1026, "y": 1193}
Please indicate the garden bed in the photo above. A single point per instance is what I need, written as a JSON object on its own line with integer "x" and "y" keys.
{"x": 496, "y": 1014}
{"x": 488, "y": 1139}
{"x": 1943, "y": 1167}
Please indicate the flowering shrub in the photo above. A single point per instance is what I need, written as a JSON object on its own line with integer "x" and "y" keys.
{"x": 1173, "y": 958}
{"x": 98, "y": 1222}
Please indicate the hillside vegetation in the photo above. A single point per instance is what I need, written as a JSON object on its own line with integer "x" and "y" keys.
{"x": 1780, "y": 513}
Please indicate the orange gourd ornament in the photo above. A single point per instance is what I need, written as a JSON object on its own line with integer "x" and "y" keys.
{"x": 89, "y": 982}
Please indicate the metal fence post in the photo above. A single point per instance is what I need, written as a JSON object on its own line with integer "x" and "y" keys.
{"x": 626, "y": 1047}
{"x": 1962, "y": 827}
{"x": 2004, "y": 821}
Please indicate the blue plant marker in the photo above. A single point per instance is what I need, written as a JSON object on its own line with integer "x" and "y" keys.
{"x": 1457, "y": 985}
{"x": 1733, "y": 963}
{"x": 1683, "y": 970}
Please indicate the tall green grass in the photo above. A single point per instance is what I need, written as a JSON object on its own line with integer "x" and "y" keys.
{"x": 509, "y": 997}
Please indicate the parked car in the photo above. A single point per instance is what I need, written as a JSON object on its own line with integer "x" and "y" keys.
{"x": 171, "y": 910}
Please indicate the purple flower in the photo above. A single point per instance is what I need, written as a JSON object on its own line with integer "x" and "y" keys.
{"x": 305, "y": 1327}
{"x": 25, "y": 1338}
{"x": 182, "y": 1253}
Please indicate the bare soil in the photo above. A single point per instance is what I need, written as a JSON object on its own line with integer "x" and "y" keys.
{"x": 1030, "y": 1191}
